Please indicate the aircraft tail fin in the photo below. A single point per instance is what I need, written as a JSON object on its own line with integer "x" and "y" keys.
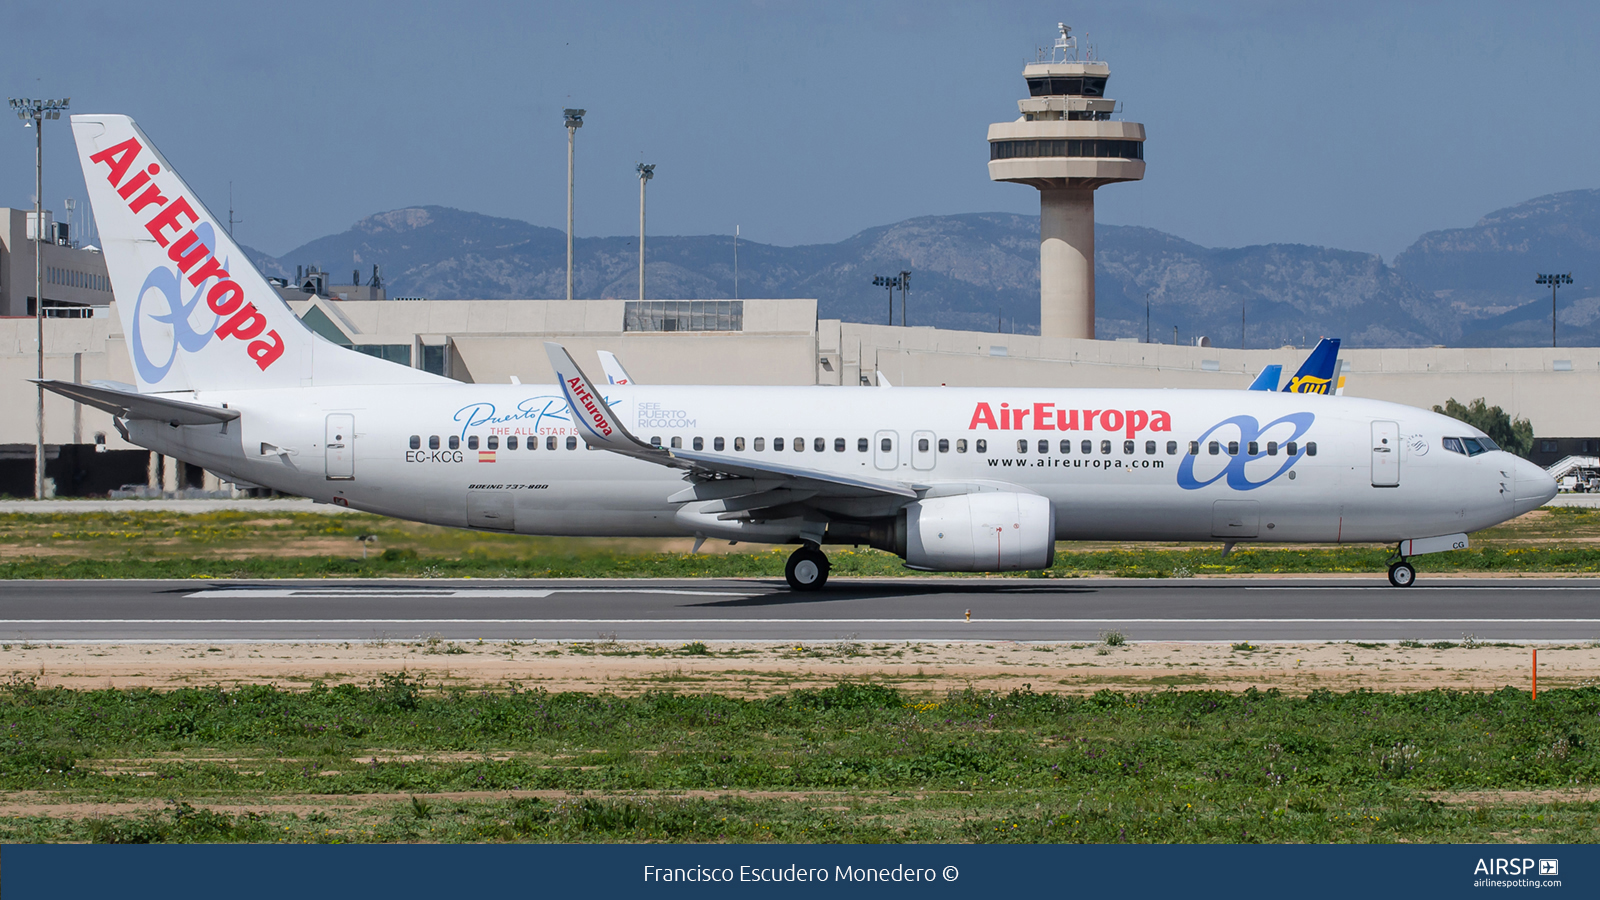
{"x": 1316, "y": 375}
{"x": 615, "y": 373}
{"x": 196, "y": 312}
{"x": 1268, "y": 379}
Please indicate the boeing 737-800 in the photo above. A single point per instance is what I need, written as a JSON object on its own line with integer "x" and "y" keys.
{"x": 950, "y": 479}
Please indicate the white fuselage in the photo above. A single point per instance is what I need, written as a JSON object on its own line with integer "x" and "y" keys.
{"x": 1380, "y": 471}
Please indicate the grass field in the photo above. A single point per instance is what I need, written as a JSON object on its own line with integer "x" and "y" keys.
{"x": 856, "y": 762}
{"x": 140, "y": 544}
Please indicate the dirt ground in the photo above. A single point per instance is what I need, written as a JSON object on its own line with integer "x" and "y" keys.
{"x": 758, "y": 669}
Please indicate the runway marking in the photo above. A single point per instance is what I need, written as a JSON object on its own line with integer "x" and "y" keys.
{"x": 917, "y": 621}
{"x": 1433, "y": 587}
{"x": 446, "y": 593}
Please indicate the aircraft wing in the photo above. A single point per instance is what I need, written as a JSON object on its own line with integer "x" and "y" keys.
{"x": 602, "y": 430}
{"x": 129, "y": 404}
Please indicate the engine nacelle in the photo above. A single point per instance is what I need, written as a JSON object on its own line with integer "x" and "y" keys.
{"x": 989, "y": 531}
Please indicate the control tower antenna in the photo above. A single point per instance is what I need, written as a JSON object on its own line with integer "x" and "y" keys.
{"x": 1066, "y": 145}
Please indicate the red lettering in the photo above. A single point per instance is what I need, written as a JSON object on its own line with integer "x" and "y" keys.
{"x": 266, "y": 352}
{"x": 1067, "y": 419}
{"x": 208, "y": 269}
{"x": 225, "y": 297}
{"x": 1161, "y": 421}
{"x": 118, "y": 159}
{"x": 1088, "y": 419}
{"x": 1005, "y": 416}
{"x": 982, "y": 415}
{"x": 139, "y": 180}
{"x": 1017, "y": 415}
{"x": 1111, "y": 420}
{"x": 188, "y": 251}
{"x": 152, "y": 194}
{"x": 167, "y": 220}
{"x": 1137, "y": 420}
{"x": 245, "y": 324}
{"x": 1041, "y": 416}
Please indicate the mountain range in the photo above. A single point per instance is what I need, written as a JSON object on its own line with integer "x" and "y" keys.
{"x": 980, "y": 271}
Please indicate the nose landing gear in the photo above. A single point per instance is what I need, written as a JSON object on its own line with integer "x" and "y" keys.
{"x": 807, "y": 569}
{"x": 1401, "y": 574}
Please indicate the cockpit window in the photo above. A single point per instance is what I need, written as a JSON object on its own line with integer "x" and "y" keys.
{"x": 1488, "y": 444}
{"x": 1473, "y": 447}
{"x": 1454, "y": 446}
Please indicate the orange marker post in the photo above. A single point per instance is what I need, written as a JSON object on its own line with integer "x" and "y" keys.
{"x": 1536, "y": 673}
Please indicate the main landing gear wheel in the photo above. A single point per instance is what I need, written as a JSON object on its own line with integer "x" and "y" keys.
{"x": 807, "y": 569}
{"x": 1402, "y": 575}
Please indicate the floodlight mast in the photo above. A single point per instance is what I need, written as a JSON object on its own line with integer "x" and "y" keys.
{"x": 646, "y": 172}
{"x": 33, "y": 113}
{"x": 1555, "y": 280}
{"x": 574, "y": 121}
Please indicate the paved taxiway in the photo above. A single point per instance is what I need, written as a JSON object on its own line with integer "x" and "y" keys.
{"x": 758, "y": 609}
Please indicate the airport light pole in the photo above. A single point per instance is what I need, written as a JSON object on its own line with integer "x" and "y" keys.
{"x": 645, "y": 174}
{"x": 1147, "y": 316}
{"x": 891, "y": 282}
{"x": 1554, "y": 281}
{"x": 905, "y": 285}
{"x": 33, "y": 113}
{"x": 574, "y": 119}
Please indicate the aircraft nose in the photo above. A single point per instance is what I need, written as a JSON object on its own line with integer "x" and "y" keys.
{"x": 1534, "y": 487}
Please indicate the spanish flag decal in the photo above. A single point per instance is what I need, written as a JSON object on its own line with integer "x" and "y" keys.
{"x": 485, "y": 456}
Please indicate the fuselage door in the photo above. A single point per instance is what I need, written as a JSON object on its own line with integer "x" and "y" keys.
{"x": 340, "y": 447}
{"x": 1385, "y": 454}
{"x": 923, "y": 455}
{"x": 884, "y": 452}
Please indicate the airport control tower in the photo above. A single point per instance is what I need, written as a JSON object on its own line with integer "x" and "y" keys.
{"x": 1066, "y": 145}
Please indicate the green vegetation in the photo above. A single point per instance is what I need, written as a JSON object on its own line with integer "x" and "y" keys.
{"x": 854, "y": 762}
{"x": 1515, "y": 436}
{"x": 150, "y": 544}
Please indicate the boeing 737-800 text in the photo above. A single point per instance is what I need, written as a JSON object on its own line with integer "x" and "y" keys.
{"x": 950, "y": 479}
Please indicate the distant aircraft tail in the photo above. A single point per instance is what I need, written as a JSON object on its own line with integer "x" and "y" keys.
{"x": 1316, "y": 375}
{"x": 1268, "y": 379}
{"x": 615, "y": 373}
{"x": 196, "y": 313}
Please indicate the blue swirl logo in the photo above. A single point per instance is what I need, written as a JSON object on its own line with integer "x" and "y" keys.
{"x": 1249, "y": 430}
{"x": 165, "y": 281}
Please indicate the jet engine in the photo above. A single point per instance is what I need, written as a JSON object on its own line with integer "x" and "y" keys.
{"x": 991, "y": 531}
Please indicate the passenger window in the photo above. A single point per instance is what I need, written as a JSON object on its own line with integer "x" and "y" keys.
{"x": 760, "y": 445}
{"x": 1311, "y": 448}
{"x": 738, "y": 445}
{"x": 655, "y": 441}
{"x": 572, "y": 443}
{"x": 861, "y": 445}
{"x": 1149, "y": 448}
{"x": 982, "y": 446}
{"x": 1105, "y": 447}
{"x": 886, "y": 445}
{"x": 799, "y": 445}
{"x": 699, "y": 443}
{"x": 1127, "y": 447}
{"x": 944, "y": 445}
{"x": 1291, "y": 448}
{"x": 472, "y": 442}
{"x": 1022, "y": 446}
{"x": 455, "y": 442}
{"x": 961, "y": 445}
{"x": 819, "y": 444}
{"x": 677, "y": 442}
{"x": 1086, "y": 447}
{"x": 1044, "y": 446}
{"x": 1213, "y": 448}
{"x": 1172, "y": 448}
{"x": 1254, "y": 449}
{"x": 433, "y": 442}
{"x": 777, "y": 443}
{"x": 716, "y": 443}
{"x": 511, "y": 442}
{"x": 838, "y": 445}
{"x": 1272, "y": 448}
{"x": 922, "y": 445}
{"x": 416, "y": 442}
{"x": 494, "y": 442}
{"x": 1066, "y": 446}
{"x": 1233, "y": 448}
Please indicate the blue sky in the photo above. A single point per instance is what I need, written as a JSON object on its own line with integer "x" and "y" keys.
{"x": 1352, "y": 125}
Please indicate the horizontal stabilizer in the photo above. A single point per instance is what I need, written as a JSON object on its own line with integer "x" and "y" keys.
{"x": 128, "y": 405}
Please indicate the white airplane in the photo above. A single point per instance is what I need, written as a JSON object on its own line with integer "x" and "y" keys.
{"x": 950, "y": 479}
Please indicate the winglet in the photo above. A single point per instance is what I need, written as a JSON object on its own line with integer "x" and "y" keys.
{"x": 600, "y": 426}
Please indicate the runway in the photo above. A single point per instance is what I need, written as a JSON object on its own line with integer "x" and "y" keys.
{"x": 933, "y": 609}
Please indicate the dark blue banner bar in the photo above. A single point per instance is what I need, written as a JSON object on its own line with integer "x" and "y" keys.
{"x": 29, "y": 872}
